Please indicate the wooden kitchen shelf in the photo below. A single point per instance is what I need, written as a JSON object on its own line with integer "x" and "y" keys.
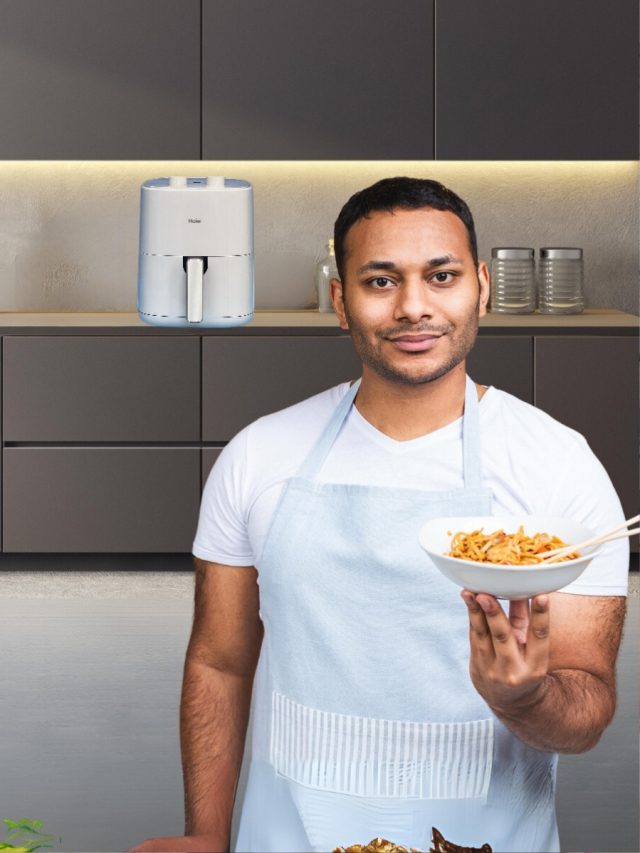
{"x": 591, "y": 320}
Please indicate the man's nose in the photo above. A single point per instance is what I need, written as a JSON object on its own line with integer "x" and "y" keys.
{"x": 414, "y": 300}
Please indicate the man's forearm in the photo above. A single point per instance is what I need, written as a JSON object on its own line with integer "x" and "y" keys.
{"x": 568, "y": 713}
{"x": 214, "y": 713}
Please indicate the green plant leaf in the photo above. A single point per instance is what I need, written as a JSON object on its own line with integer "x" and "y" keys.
{"x": 26, "y": 830}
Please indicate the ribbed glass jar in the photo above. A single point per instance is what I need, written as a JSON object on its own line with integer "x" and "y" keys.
{"x": 560, "y": 281}
{"x": 513, "y": 283}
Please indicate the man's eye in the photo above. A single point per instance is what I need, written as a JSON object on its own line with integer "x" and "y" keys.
{"x": 443, "y": 277}
{"x": 380, "y": 282}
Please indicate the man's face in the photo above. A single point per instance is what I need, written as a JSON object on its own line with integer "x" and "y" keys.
{"x": 412, "y": 295}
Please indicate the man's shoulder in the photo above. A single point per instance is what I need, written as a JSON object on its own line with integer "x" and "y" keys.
{"x": 273, "y": 447}
{"x": 295, "y": 428}
{"x": 529, "y": 423}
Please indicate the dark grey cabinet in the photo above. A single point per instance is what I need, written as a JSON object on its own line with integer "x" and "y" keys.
{"x": 99, "y": 79}
{"x": 319, "y": 79}
{"x": 544, "y": 80}
{"x": 100, "y": 499}
{"x": 111, "y": 388}
{"x": 245, "y": 378}
{"x": 108, "y": 439}
{"x": 503, "y": 361}
{"x": 107, "y": 395}
{"x": 591, "y": 385}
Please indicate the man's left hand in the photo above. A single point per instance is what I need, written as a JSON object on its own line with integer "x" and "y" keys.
{"x": 509, "y": 658}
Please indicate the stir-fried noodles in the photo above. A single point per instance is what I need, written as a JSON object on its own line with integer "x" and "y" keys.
{"x": 514, "y": 549}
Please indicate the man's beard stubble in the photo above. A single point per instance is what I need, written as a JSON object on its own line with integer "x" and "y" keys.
{"x": 373, "y": 357}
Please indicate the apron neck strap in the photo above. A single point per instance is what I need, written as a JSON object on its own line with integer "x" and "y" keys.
{"x": 321, "y": 448}
{"x": 470, "y": 436}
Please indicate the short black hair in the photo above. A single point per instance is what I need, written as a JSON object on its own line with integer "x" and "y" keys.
{"x": 391, "y": 194}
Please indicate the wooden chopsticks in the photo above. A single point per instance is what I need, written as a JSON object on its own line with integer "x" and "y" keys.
{"x": 615, "y": 533}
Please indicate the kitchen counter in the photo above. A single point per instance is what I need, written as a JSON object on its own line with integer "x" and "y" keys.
{"x": 592, "y": 320}
{"x": 105, "y": 655}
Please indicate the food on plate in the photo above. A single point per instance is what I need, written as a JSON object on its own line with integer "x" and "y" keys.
{"x": 440, "y": 845}
{"x": 509, "y": 549}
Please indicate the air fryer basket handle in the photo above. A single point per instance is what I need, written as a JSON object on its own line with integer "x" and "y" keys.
{"x": 195, "y": 271}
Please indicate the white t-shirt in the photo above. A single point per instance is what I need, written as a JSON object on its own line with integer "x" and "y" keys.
{"x": 533, "y": 464}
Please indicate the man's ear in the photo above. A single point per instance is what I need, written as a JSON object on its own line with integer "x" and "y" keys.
{"x": 338, "y": 302}
{"x": 484, "y": 280}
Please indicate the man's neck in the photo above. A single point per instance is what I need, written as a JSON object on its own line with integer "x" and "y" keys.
{"x": 404, "y": 412}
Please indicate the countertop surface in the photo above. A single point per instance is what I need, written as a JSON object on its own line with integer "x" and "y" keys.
{"x": 311, "y": 321}
{"x": 128, "y": 583}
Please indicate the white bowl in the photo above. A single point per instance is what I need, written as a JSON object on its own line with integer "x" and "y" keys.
{"x": 502, "y": 581}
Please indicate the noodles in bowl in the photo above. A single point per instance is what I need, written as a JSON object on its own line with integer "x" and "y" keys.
{"x": 506, "y": 549}
{"x": 506, "y": 561}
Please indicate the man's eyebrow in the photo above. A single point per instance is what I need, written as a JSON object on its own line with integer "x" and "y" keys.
{"x": 389, "y": 266}
{"x": 445, "y": 259}
{"x": 377, "y": 265}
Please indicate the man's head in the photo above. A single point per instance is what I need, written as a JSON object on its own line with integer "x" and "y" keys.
{"x": 412, "y": 289}
{"x": 390, "y": 194}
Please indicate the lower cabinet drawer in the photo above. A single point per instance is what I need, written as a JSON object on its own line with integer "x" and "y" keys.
{"x": 100, "y": 499}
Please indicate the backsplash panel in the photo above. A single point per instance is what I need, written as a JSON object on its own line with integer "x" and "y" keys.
{"x": 69, "y": 230}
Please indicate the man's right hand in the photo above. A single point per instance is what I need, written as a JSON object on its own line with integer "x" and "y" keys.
{"x": 181, "y": 844}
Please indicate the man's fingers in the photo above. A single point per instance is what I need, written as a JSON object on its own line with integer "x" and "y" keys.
{"x": 479, "y": 633}
{"x": 519, "y": 619}
{"x": 537, "y": 651}
{"x": 503, "y": 638}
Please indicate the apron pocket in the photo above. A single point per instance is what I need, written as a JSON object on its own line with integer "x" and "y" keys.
{"x": 366, "y": 757}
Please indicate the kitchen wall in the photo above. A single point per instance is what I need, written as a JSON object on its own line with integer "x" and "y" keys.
{"x": 69, "y": 230}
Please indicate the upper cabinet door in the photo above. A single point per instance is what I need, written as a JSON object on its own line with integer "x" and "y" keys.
{"x": 99, "y": 79}
{"x": 537, "y": 79}
{"x": 317, "y": 79}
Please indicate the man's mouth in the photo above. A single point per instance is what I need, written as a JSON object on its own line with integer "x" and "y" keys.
{"x": 415, "y": 343}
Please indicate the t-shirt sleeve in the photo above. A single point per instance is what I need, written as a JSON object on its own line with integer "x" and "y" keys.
{"x": 585, "y": 493}
{"x": 222, "y": 535}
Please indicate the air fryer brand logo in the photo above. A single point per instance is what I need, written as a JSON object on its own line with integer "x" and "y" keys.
{"x": 193, "y": 221}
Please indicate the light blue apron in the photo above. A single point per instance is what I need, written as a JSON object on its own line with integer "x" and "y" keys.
{"x": 365, "y": 721}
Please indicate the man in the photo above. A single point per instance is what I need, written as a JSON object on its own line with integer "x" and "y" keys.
{"x": 382, "y": 705}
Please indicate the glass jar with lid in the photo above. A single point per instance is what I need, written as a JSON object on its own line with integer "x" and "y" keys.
{"x": 560, "y": 278}
{"x": 513, "y": 280}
